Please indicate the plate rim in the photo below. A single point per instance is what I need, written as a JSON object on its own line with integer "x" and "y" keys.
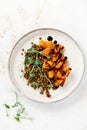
{"x": 52, "y": 29}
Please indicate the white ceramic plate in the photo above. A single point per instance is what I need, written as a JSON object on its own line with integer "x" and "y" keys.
{"x": 72, "y": 51}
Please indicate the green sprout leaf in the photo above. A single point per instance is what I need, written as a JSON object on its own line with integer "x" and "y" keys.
{"x": 37, "y": 61}
{"x": 35, "y": 84}
{"x": 32, "y": 50}
{"x": 17, "y": 118}
{"x": 32, "y": 74}
{"x": 29, "y": 60}
{"x": 7, "y": 106}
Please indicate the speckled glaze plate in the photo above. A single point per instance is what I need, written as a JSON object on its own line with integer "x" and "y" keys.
{"x": 72, "y": 51}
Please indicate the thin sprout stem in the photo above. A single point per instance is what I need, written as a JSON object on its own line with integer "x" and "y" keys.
{"x": 48, "y": 79}
{"x": 16, "y": 96}
{"x": 22, "y": 108}
{"x": 26, "y": 118}
{"x": 7, "y": 112}
{"x": 15, "y": 104}
{"x": 6, "y": 109}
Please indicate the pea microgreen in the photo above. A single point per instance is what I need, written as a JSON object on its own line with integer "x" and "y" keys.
{"x": 20, "y": 110}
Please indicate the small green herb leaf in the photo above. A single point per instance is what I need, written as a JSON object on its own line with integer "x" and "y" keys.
{"x": 37, "y": 61}
{"x": 17, "y": 118}
{"x": 35, "y": 84}
{"x": 7, "y": 106}
{"x": 32, "y": 50}
{"x": 29, "y": 60}
{"x": 32, "y": 74}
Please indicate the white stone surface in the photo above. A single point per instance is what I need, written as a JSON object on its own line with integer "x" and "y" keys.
{"x": 17, "y": 17}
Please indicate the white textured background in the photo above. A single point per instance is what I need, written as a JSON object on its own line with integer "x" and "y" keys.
{"x": 18, "y": 17}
